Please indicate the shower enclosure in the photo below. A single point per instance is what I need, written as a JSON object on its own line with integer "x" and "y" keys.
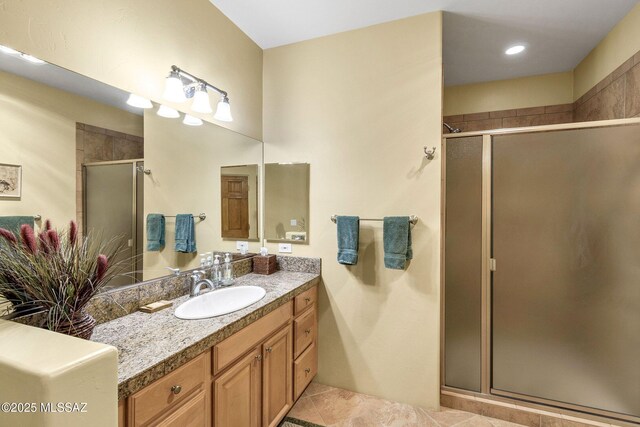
{"x": 113, "y": 197}
{"x": 542, "y": 266}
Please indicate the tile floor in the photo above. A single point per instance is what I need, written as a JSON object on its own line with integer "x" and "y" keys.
{"x": 333, "y": 407}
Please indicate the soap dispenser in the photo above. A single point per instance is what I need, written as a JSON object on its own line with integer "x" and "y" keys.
{"x": 227, "y": 271}
{"x": 217, "y": 272}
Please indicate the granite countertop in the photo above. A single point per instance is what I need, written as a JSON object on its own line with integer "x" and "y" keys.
{"x": 152, "y": 345}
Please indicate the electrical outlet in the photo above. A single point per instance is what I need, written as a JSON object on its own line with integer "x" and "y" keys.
{"x": 284, "y": 248}
{"x": 294, "y": 222}
{"x": 242, "y": 246}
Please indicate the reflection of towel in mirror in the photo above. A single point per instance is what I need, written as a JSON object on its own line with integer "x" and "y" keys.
{"x": 13, "y": 223}
{"x": 185, "y": 233}
{"x": 397, "y": 241}
{"x": 348, "y": 236}
{"x": 155, "y": 232}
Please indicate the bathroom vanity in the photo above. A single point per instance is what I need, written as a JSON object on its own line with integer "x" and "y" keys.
{"x": 246, "y": 368}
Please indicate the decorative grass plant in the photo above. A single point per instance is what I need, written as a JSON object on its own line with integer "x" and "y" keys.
{"x": 56, "y": 273}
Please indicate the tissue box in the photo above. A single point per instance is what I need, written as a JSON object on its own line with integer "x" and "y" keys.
{"x": 264, "y": 264}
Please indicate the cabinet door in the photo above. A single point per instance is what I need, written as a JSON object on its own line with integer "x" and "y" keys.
{"x": 277, "y": 394}
{"x": 236, "y": 394}
{"x": 191, "y": 414}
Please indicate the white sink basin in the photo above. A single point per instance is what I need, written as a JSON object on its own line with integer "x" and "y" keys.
{"x": 217, "y": 303}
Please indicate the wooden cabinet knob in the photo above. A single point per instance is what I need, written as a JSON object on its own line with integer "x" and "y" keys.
{"x": 176, "y": 389}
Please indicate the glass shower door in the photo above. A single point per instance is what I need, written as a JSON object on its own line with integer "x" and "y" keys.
{"x": 110, "y": 211}
{"x": 566, "y": 289}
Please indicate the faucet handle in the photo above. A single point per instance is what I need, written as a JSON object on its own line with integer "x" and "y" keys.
{"x": 175, "y": 271}
{"x": 199, "y": 273}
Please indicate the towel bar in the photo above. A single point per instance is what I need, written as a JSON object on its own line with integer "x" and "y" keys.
{"x": 202, "y": 216}
{"x": 413, "y": 219}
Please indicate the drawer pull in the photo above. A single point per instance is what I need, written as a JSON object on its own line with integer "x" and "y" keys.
{"x": 307, "y": 331}
{"x": 269, "y": 349}
{"x": 307, "y": 300}
{"x": 308, "y": 370}
{"x": 176, "y": 389}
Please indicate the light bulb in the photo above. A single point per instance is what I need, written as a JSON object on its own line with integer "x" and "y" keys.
{"x": 191, "y": 121}
{"x": 174, "y": 89}
{"x": 168, "y": 112}
{"x": 138, "y": 101}
{"x": 223, "y": 112}
{"x": 31, "y": 59}
{"x": 8, "y": 50}
{"x": 201, "y": 101}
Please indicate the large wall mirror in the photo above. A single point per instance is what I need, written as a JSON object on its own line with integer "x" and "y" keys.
{"x": 84, "y": 154}
{"x": 286, "y": 195}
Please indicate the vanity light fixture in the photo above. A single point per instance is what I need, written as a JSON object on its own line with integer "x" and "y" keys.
{"x": 191, "y": 121}
{"x": 168, "y": 112}
{"x": 138, "y": 101}
{"x": 514, "y": 50}
{"x": 180, "y": 86}
{"x": 223, "y": 111}
{"x": 201, "y": 101}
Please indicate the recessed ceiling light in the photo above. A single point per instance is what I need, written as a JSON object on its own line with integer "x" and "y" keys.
{"x": 513, "y": 50}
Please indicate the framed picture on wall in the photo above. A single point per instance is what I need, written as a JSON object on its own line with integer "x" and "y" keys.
{"x": 10, "y": 181}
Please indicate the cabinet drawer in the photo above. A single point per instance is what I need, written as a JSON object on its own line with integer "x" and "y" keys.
{"x": 192, "y": 414}
{"x": 304, "y": 369}
{"x": 305, "y": 331}
{"x": 306, "y": 299}
{"x": 244, "y": 340}
{"x": 168, "y": 392}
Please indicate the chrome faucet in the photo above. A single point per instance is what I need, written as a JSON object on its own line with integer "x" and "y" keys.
{"x": 197, "y": 282}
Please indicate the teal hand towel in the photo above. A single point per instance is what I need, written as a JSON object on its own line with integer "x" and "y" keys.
{"x": 348, "y": 235}
{"x": 185, "y": 234}
{"x": 155, "y": 232}
{"x": 397, "y": 241}
{"x": 13, "y": 223}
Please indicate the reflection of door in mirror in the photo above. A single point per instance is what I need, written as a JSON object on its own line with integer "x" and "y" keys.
{"x": 239, "y": 202}
{"x": 286, "y": 200}
{"x": 235, "y": 206}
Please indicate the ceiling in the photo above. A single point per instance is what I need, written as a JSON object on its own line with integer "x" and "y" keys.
{"x": 557, "y": 33}
{"x": 61, "y": 78}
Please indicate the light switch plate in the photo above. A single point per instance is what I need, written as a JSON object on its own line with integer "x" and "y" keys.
{"x": 293, "y": 222}
{"x": 284, "y": 248}
{"x": 242, "y": 246}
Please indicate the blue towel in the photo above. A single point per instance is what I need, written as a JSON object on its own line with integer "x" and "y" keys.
{"x": 155, "y": 232}
{"x": 13, "y": 223}
{"x": 185, "y": 234}
{"x": 397, "y": 241}
{"x": 348, "y": 235}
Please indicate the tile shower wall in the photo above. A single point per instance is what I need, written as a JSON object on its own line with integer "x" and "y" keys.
{"x": 617, "y": 96}
{"x": 95, "y": 144}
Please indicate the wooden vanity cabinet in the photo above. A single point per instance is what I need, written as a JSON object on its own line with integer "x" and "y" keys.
{"x": 250, "y": 379}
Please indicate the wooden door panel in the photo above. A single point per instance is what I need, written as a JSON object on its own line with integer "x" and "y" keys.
{"x": 277, "y": 393}
{"x": 235, "y": 206}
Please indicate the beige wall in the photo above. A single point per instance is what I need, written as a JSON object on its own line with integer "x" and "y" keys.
{"x": 359, "y": 106}
{"x": 38, "y": 131}
{"x": 185, "y": 166}
{"x": 534, "y": 91}
{"x": 132, "y": 44}
{"x": 622, "y": 42}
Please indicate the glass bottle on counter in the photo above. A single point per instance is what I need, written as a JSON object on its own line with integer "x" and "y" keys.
{"x": 227, "y": 270}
